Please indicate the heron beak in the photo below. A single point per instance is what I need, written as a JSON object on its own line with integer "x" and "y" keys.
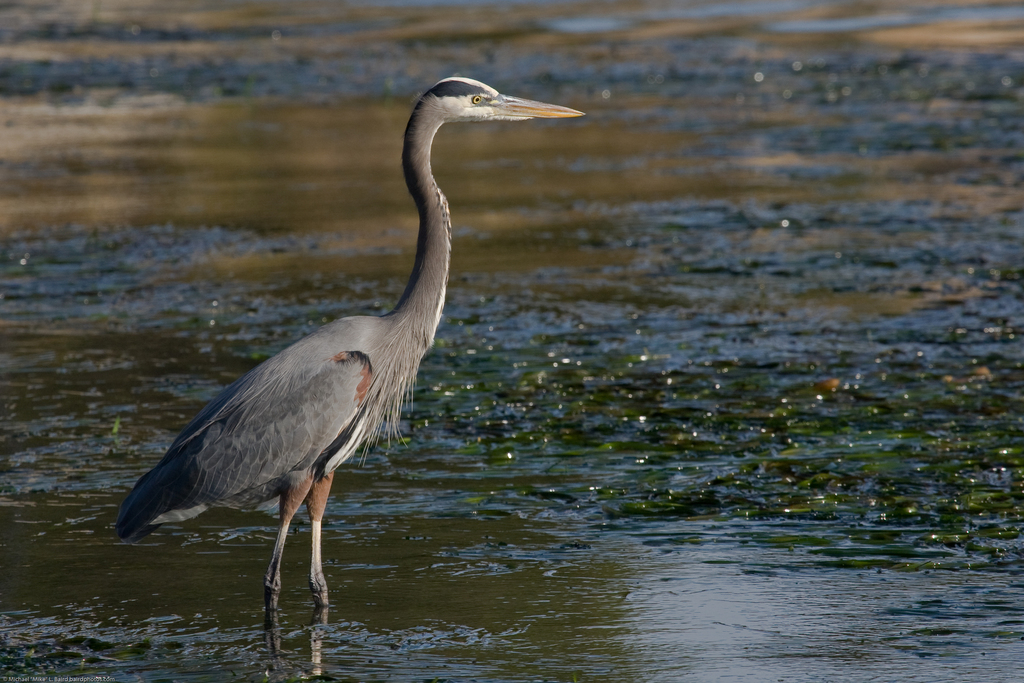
{"x": 528, "y": 109}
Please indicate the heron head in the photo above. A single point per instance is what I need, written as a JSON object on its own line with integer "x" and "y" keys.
{"x": 463, "y": 99}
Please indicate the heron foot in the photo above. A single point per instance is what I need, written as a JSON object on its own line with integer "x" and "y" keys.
{"x": 271, "y": 590}
{"x": 318, "y": 586}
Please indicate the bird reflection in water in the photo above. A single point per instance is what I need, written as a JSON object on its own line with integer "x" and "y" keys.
{"x": 272, "y": 639}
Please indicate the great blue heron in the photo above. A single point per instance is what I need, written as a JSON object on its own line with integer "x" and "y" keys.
{"x": 282, "y": 428}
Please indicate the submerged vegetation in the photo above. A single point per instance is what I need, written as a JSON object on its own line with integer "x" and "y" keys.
{"x": 847, "y": 428}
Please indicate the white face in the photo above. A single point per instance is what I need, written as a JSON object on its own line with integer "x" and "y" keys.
{"x": 487, "y": 104}
{"x": 481, "y": 106}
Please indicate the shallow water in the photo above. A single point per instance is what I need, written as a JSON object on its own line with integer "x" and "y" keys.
{"x": 727, "y": 388}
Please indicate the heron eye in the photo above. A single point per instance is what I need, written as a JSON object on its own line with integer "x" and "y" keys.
{"x": 477, "y": 99}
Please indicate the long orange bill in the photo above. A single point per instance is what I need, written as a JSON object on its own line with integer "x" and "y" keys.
{"x": 514, "y": 106}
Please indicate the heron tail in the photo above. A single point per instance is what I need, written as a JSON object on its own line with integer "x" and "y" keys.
{"x": 134, "y": 519}
{"x": 151, "y": 503}
{"x": 132, "y": 534}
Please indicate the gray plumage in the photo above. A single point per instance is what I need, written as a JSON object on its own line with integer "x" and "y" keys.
{"x": 281, "y": 429}
{"x": 246, "y": 446}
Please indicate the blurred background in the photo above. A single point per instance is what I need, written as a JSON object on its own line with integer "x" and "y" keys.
{"x": 728, "y": 382}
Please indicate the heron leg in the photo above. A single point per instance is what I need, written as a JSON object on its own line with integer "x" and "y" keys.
{"x": 291, "y": 499}
{"x": 316, "y": 502}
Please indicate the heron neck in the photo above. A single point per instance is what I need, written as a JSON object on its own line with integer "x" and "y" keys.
{"x": 423, "y": 299}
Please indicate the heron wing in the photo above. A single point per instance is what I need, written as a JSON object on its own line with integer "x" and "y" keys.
{"x": 277, "y": 419}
